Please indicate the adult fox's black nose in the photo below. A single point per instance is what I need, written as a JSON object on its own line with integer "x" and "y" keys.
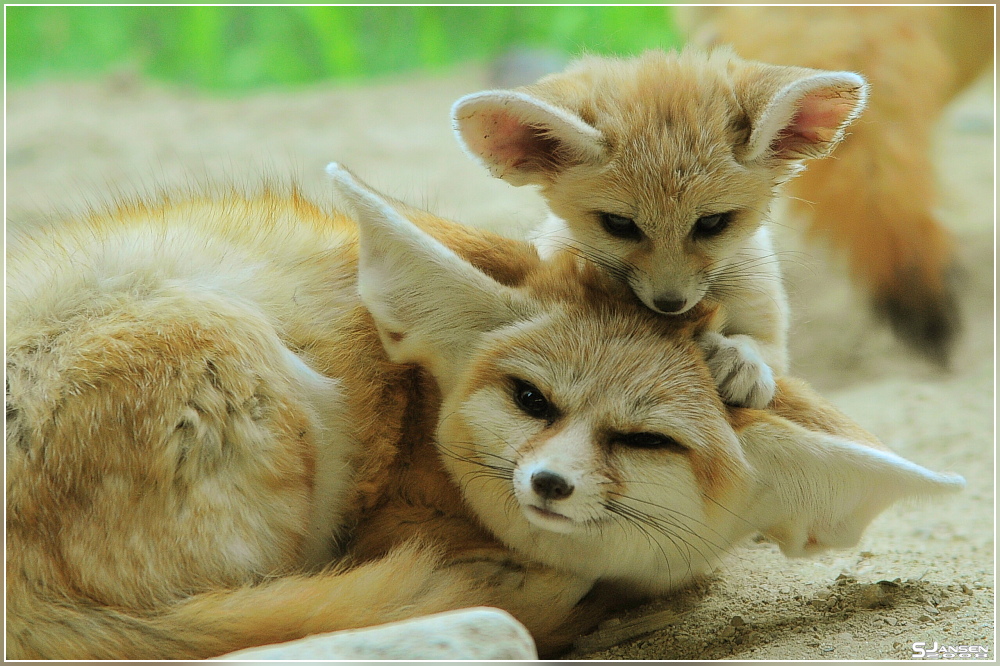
{"x": 669, "y": 304}
{"x": 551, "y": 486}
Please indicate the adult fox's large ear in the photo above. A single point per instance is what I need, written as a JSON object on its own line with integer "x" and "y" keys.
{"x": 797, "y": 113}
{"x": 817, "y": 481}
{"x": 429, "y": 304}
{"x": 522, "y": 139}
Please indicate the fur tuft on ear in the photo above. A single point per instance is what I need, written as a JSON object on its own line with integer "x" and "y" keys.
{"x": 429, "y": 304}
{"x": 816, "y": 491}
{"x": 521, "y": 139}
{"x": 807, "y": 118}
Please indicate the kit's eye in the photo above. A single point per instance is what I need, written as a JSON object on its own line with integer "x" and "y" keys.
{"x": 648, "y": 440}
{"x": 531, "y": 401}
{"x": 711, "y": 225}
{"x": 620, "y": 226}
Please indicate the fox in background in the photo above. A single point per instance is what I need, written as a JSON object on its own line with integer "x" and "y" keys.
{"x": 874, "y": 201}
{"x": 237, "y": 419}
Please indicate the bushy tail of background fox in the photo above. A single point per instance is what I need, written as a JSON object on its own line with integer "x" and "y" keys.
{"x": 873, "y": 203}
{"x": 874, "y": 200}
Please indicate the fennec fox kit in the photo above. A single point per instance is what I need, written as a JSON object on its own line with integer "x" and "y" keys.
{"x": 213, "y": 398}
{"x": 661, "y": 169}
{"x": 876, "y": 201}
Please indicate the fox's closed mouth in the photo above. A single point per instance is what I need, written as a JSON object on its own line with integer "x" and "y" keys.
{"x": 552, "y": 515}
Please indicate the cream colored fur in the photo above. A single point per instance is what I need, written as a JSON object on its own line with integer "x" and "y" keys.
{"x": 209, "y": 448}
{"x": 664, "y": 140}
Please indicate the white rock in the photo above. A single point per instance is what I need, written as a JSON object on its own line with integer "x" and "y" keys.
{"x": 471, "y": 633}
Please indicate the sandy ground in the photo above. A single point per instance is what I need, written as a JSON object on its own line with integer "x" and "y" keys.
{"x": 69, "y": 145}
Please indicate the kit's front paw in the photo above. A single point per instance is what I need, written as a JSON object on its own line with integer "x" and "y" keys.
{"x": 743, "y": 378}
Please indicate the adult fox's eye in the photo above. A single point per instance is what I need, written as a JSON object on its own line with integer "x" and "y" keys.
{"x": 649, "y": 440}
{"x": 711, "y": 225}
{"x": 531, "y": 401}
{"x": 620, "y": 226}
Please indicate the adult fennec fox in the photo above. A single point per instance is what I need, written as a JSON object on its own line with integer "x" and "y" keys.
{"x": 211, "y": 399}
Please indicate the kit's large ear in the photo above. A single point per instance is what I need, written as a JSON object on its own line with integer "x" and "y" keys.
{"x": 522, "y": 139}
{"x": 796, "y": 113}
{"x": 429, "y": 304}
{"x": 816, "y": 484}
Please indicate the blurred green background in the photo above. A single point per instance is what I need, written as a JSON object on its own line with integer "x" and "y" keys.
{"x": 228, "y": 48}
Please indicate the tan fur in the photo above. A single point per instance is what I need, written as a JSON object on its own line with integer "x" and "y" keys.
{"x": 799, "y": 403}
{"x": 664, "y": 140}
{"x": 209, "y": 448}
{"x": 875, "y": 202}
{"x": 160, "y": 446}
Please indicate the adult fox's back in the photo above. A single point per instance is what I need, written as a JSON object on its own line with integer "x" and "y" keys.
{"x": 179, "y": 458}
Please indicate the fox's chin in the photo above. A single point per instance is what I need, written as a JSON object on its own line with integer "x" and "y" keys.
{"x": 553, "y": 521}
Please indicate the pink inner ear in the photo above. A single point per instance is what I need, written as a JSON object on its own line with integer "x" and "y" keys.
{"x": 514, "y": 140}
{"x": 816, "y": 122}
{"x": 497, "y": 137}
{"x": 502, "y": 139}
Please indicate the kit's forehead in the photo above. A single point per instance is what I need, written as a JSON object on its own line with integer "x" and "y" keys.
{"x": 672, "y": 127}
{"x": 684, "y": 92}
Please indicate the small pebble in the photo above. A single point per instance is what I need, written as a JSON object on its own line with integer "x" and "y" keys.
{"x": 891, "y": 621}
{"x": 924, "y": 618}
{"x": 737, "y": 621}
{"x": 873, "y": 596}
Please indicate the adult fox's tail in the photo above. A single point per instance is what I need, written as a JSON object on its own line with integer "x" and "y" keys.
{"x": 407, "y": 583}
